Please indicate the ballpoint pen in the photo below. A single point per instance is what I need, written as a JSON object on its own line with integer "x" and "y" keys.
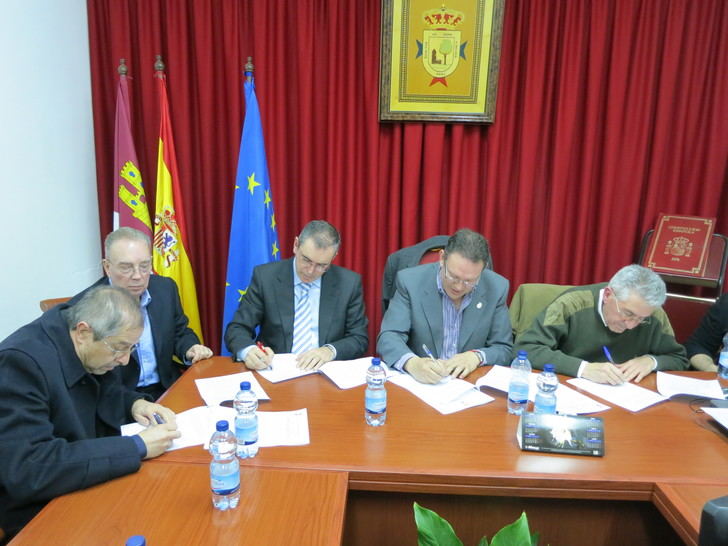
{"x": 429, "y": 355}
{"x": 158, "y": 418}
{"x": 260, "y": 346}
{"x": 607, "y": 354}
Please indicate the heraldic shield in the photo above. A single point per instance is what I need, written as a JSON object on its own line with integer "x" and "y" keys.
{"x": 441, "y": 51}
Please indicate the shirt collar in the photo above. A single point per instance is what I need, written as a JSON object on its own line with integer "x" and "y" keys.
{"x": 600, "y": 309}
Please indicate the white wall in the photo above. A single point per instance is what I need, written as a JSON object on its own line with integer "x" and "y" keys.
{"x": 49, "y": 225}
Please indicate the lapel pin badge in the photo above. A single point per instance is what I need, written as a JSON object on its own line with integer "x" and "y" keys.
{"x": 480, "y": 304}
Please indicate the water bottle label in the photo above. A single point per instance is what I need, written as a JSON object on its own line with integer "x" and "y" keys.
{"x": 376, "y": 402}
{"x": 248, "y": 433}
{"x": 225, "y": 484}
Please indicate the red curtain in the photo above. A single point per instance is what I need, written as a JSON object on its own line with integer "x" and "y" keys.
{"x": 608, "y": 113}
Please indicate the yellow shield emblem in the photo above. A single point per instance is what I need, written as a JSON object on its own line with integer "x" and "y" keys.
{"x": 440, "y": 52}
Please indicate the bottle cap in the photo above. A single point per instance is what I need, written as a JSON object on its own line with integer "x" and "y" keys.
{"x": 522, "y": 354}
{"x": 376, "y": 361}
{"x": 245, "y": 386}
{"x": 548, "y": 367}
{"x": 136, "y": 540}
{"x": 222, "y": 426}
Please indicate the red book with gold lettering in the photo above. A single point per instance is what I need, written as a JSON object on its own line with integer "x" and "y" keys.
{"x": 680, "y": 244}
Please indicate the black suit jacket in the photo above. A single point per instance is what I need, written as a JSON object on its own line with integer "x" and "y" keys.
{"x": 269, "y": 303}
{"x": 171, "y": 335}
{"x": 59, "y": 425}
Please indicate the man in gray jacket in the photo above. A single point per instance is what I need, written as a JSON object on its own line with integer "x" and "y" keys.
{"x": 455, "y": 310}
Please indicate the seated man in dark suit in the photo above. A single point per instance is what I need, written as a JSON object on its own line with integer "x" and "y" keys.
{"x": 60, "y": 411}
{"x": 128, "y": 265}
{"x": 624, "y": 316}
{"x": 456, "y": 309}
{"x": 303, "y": 305}
{"x": 707, "y": 340}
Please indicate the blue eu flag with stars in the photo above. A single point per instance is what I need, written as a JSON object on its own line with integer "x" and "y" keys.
{"x": 253, "y": 234}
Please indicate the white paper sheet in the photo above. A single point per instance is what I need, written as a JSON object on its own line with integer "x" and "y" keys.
{"x": 627, "y": 395}
{"x": 447, "y": 396}
{"x": 214, "y": 390}
{"x": 719, "y": 414}
{"x": 283, "y": 368}
{"x": 275, "y": 428}
{"x": 568, "y": 401}
{"x": 669, "y": 385}
{"x": 347, "y": 374}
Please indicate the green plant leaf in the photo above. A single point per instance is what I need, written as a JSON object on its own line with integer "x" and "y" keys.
{"x": 483, "y": 541}
{"x": 514, "y": 534}
{"x": 432, "y": 530}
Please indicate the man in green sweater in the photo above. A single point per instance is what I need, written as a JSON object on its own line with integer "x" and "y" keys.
{"x": 609, "y": 332}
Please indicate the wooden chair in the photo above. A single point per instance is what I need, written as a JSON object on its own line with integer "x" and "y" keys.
{"x": 528, "y": 301}
{"x": 51, "y": 303}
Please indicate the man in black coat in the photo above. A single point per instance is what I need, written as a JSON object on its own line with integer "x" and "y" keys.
{"x": 60, "y": 409}
{"x": 707, "y": 340}
{"x": 337, "y": 328}
{"x": 128, "y": 265}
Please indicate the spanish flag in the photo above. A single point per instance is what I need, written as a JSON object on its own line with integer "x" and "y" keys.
{"x": 169, "y": 254}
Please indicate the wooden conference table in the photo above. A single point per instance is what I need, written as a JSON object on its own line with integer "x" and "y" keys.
{"x": 355, "y": 484}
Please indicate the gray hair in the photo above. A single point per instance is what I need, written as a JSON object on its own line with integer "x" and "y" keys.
{"x": 125, "y": 234}
{"x": 108, "y": 310}
{"x": 324, "y": 235}
{"x": 469, "y": 244}
{"x": 639, "y": 280}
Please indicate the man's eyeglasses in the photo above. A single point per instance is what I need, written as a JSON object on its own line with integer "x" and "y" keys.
{"x": 309, "y": 263}
{"x": 116, "y": 353}
{"x": 456, "y": 280}
{"x": 629, "y": 315}
{"x": 126, "y": 268}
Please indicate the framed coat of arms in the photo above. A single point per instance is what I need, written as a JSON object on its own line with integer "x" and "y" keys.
{"x": 439, "y": 61}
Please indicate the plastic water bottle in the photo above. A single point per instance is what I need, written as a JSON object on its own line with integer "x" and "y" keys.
{"x": 518, "y": 387}
{"x": 547, "y": 383}
{"x": 723, "y": 359}
{"x": 224, "y": 468}
{"x": 136, "y": 540}
{"x": 375, "y": 403}
{"x": 246, "y": 421}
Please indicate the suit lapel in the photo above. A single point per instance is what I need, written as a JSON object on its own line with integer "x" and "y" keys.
{"x": 329, "y": 292}
{"x": 285, "y": 300}
{"x": 432, "y": 311}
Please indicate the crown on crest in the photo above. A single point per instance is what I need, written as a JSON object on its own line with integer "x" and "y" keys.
{"x": 443, "y": 18}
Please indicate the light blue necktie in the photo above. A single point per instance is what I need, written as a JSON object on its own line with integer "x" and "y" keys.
{"x": 302, "y": 320}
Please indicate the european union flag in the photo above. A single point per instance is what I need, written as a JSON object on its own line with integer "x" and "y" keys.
{"x": 253, "y": 234}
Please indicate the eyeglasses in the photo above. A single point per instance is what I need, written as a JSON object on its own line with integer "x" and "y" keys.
{"x": 126, "y": 268}
{"x": 309, "y": 263}
{"x": 456, "y": 280}
{"x": 629, "y": 315}
{"x": 116, "y": 353}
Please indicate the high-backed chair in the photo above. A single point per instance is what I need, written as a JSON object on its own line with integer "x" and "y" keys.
{"x": 528, "y": 301}
{"x": 51, "y": 303}
{"x": 424, "y": 252}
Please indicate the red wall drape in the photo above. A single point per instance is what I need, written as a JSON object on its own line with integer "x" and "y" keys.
{"x": 608, "y": 113}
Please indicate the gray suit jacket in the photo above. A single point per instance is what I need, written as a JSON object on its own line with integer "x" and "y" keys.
{"x": 414, "y": 317}
{"x": 269, "y": 302}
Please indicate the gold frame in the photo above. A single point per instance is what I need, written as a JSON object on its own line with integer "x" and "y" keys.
{"x": 410, "y": 28}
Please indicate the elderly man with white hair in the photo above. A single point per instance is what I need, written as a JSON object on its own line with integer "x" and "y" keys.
{"x": 608, "y": 332}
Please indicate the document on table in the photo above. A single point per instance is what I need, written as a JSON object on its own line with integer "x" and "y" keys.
{"x": 670, "y": 385}
{"x": 447, "y": 396}
{"x": 275, "y": 428}
{"x": 627, "y": 395}
{"x": 195, "y": 425}
{"x": 719, "y": 414}
{"x": 345, "y": 374}
{"x": 214, "y": 390}
{"x": 568, "y": 401}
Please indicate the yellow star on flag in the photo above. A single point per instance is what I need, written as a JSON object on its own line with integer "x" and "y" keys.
{"x": 267, "y": 198}
{"x": 252, "y": 183}
{"x": 242, "y": 293}
{"x": 272, "y": 221}
{"x": 275, "y": 249}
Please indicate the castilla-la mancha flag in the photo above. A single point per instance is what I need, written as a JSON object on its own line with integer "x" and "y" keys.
{"x": 169, "y": 254}
{"x": 130, "y": 203}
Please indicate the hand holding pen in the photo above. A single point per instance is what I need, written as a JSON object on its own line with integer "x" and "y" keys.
{"x": 426, "y": 370}
{"x": 267, "y": 355}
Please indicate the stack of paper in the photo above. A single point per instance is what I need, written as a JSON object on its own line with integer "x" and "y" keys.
{"x": 628, "y": 395}
{"x": 447, "y": 396}
{"x": 214, "y": 390}
{"x": 671, "y": 385}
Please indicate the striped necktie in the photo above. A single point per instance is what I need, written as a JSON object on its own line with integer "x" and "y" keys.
{"x": 302, "y": 320}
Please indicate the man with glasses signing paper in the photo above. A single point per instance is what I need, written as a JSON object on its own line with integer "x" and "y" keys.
{"x": 128, "y": 265}
{"x": 609, "y": 332}
{"x": 448, "y": 318}
{"x": 303, "y": 305}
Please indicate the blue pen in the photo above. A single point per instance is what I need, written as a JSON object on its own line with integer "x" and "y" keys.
{"x": 607, "y": 354}
{"x": 427, "y": 351}
{"x": 158, "y": 419}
